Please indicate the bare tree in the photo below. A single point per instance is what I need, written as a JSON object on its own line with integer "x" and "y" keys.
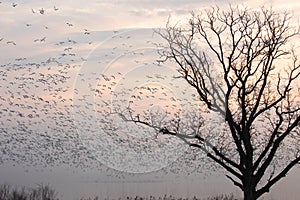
{"x": 249, "y": 74}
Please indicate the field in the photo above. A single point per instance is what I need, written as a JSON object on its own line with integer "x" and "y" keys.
{"x": 45, "y": 192}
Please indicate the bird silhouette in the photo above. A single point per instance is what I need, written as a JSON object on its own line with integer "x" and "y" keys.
{"x": 11, "y": 42}
{"x": 42, "y": 11}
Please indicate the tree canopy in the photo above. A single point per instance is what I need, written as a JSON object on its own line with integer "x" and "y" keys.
{"x": 243, "y": 65}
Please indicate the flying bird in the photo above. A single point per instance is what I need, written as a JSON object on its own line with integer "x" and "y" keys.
{"x": 42, "y": 11}
{"x": 11, "y": 42}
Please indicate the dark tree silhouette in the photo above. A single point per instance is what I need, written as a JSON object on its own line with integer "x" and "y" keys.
{"x": 248, "y": 73}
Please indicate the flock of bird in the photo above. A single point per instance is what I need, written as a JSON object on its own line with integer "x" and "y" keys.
{"x": 63, "y": 107}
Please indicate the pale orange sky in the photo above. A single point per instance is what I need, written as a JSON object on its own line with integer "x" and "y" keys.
{"x": 65, "y": 37}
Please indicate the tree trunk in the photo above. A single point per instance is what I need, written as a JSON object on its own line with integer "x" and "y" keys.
{"x": 249, "y": 189}
{"x": 249, "y": 194}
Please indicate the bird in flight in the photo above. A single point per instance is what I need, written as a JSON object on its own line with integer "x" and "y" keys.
{"x": 42, "y": 11}
{"x": 14, "y": 4}
{"x": 86, "y": 32}
{"x": 40, "y": 40}
{"x": 11, "y": 42}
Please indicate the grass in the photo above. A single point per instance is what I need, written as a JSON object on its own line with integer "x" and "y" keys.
{"x": 41, "y": 192}
{"x": 45, "y": 192}
{"x": 220, "y": 197}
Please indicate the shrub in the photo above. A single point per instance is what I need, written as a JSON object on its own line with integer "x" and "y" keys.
{"x": 42, "y": 192}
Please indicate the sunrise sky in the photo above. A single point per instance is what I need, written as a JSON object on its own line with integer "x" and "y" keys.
{"x": 56, "y": 55}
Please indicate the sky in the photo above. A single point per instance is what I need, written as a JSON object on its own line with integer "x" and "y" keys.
{"x": 59, "y": 60}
